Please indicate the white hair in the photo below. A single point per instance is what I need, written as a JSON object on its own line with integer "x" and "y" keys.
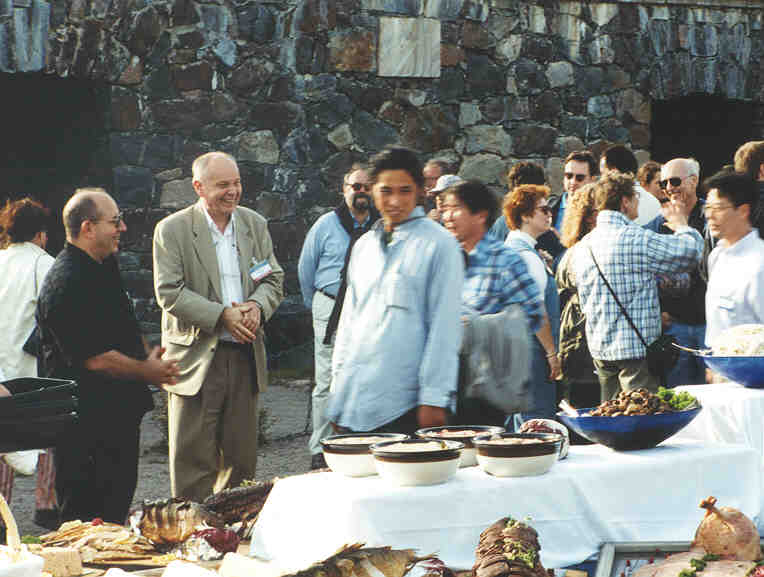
{"x": 693, "y": 167}
{"x": 200, "y": 165}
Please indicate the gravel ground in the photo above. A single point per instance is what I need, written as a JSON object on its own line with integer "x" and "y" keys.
{"x": 286, "y": 428}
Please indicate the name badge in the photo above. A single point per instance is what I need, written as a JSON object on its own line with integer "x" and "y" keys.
{"x": 260, "y": 270}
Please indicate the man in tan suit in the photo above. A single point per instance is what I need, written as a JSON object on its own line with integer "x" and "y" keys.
{"x": 218, "y": 282}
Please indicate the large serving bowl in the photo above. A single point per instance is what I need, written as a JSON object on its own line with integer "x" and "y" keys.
{"x": 517, "y": 454}
{"x": 417, "y": 461}
{"x": 748, "y": 371}
{"x": 629, "y": 432}
{"x": 464, "y": 435}
{"x": 351, "y": 455}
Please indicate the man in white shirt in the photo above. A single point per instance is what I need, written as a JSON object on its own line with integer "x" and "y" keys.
{"x": 735, "y": 293}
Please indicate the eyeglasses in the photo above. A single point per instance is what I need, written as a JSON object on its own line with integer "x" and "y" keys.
{"x": 673, "y": 181}
{"x": 359, "y": 186}
{"x": 578, "y": 177}
{"x": 710, "y": 209}
{"x": 545, "y": 208}
{"x": 115, "y": 221}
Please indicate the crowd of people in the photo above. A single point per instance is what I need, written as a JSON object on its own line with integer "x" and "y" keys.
{"x": 622, "y": 256}
{"x": 412, "y": 258}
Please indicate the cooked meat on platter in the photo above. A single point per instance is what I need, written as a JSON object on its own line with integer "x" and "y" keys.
{"x": 726, "y": 545}
{"x": 100, "y": 542}
{"x": 643, "y": 402}
{"x": 173, "y": 520}
{"x": 508, "y": 548}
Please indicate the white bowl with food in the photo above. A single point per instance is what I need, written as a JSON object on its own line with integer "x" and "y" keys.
{"x": 517, "y": 454}
{"x": 548, "y": 426}
{"x": 19, "y": 563}
{"x": 350, "y": 454}
{"x": 417, "y": 461}
{"x": 463, "y": 434}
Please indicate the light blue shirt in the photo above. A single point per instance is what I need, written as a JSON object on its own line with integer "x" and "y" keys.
{"x": 323, "y": 256}
{"x": 400, "y": 331}
{"x": 561, "y": 211}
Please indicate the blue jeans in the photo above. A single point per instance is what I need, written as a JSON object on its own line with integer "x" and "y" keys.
{"x": 543, "y": 392}
{"x": 689, "y": 370}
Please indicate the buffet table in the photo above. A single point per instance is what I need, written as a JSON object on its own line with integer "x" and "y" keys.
{"x": 593, "y": 496}
{"x": 731, "y": 413}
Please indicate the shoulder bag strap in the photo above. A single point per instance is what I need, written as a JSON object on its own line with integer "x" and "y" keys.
{"x": 35, "y": 274}
{"x": 618, "y": 302}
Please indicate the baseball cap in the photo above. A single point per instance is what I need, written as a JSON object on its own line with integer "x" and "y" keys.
{"x": 446, "y": 181}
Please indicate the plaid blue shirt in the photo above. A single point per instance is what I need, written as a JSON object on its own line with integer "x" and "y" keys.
{"x": 630, "y": 258}
{"x": 495, "y": 277}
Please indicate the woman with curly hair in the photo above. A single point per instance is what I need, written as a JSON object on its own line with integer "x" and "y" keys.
{"x": 24, "y": 262}
{"x": 580, "y": 381}
{"x": 528, "y": 217}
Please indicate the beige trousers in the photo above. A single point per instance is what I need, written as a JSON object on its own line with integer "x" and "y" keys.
{"x": 213, "y": 434}
{"x": 625, "y": 375}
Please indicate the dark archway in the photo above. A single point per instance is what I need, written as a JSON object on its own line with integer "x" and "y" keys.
{"x": 705, "y": 127}
{"x": 53, "y": 130}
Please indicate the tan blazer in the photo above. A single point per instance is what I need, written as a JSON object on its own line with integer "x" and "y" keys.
{"x": 187, "y": 288}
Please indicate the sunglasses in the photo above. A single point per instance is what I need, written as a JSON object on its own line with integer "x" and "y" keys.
{"x": 673, "y": 181}
{"x": 546, "y": 209}
{"x": 578, "y": 177}
{"x": 359, "y": 186}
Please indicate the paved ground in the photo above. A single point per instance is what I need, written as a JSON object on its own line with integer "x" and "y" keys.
{"x": 286, "y": 427}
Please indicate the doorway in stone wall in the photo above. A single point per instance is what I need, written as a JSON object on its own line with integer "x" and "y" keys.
{"x": 706, "y": 127}
{"x": 52, "y": 142}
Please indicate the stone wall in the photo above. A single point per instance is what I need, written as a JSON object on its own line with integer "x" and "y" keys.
{"x": 298, "y": 90}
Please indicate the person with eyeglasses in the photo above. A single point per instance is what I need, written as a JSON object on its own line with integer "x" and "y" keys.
{"x": 529, "y": 215}
{"x": 735, "y": 294}
{"x": 320, "y": 270}
{"x": 682, "y": 298}
{"x": 89, "y": 333}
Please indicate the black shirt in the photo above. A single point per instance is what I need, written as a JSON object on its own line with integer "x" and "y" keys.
{"x": 690, "y": 308}
{"x": 83, "y": 311}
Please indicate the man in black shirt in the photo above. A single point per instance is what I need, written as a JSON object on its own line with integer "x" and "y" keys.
{"x": 89, "y": 334}
{"x": 683, "y": 308}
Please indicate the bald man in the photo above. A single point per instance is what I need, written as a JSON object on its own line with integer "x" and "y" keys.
{"x": 217, "y": 281}
{"x": 89, "y": 333}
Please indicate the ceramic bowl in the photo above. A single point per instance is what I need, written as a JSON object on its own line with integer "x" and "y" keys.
{"x": 748, "y": 371}
{"x": 517, "y": 454}
{"x": 548, "y": 426}
{"x": 629, "y": 432}
{"x": 463, "y": 434}
{"x": 350, "y": 454}
{"x": 417, "y": 461}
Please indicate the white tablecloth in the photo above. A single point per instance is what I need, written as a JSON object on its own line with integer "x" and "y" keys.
{"x": 731, "y": 414}
{"x": 593, "y": 496}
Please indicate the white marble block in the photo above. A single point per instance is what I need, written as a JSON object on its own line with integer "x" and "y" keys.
{"x": 409, "y": 47}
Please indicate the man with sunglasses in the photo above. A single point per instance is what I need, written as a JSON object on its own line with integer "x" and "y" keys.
{"x": 320, "y": 270}
{"x": 683, "y": 304}
{"x": 736, "y": 265}
{"x": 89, "y": 334}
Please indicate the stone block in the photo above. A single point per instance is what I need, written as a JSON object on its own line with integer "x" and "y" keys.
{"x": 409, "y": 47}
{"x": 599, "y": 106}
{"x": 306, "y": 146}
{"x": 532, "y": 139}
{"x": 537, "y": 19}
{"x": 443, "y": 9}
{"x": 183, "y": 114}
{"x": 603, "y": 13}
{"x": 486, "y": 138}
{"x": 475, "y": 36}
{"x": 519, "y": 108}
{"x": 341, "y": 137}
{"x": 168, "y": 175}
{"x": 372, "y": 134}
{"x": 6, "y": 7}
{"x": 162, "y": 151}
{"x": 488, "y": 168}
{"x": 184, "y": 12}
{"x": 250, "y": 76}
{"x": 469, "y": 114}
{"x": 177, "y": 194}
{"x": 133, "y": 186}
{"x": 407, "y": 7}
{"x": 451, "y": 55}
{"x": 494, "y": 110}
{"x": 632, "y": 106}
{"x": 312, "y": 16}
{"x": 568, "y": 144}
{"x": 279, "y": 117}
{"x": 430, "y": 129}
{"x": 132, "y": 75}
{"x": 546, "y": 108}
{"x": 272, "y": 206}
{"x": 354, "y": 49}
{"x": 259, "y": 146}
{"x": 574, "y": 125}
{"x": 196, "y": 76}
{"x": 412, "y": 96}
{"x": 330, "y": 112}
{"x": 256, "y": 22}
{"x": 144, "y": 31}
{"x": 703, "y": 40}
{"x": 126, "y": 149}
{"x": 452, "y": 84}
{"x": 31, "y": 27}
{"x": 529, "y": 77}
{"x": 125, "y": 109}
{"x": 640, "y": 136}
{"x": 601, "y": 50}
{"x": 476, "y": 10}
{"x": 225, "y": 107}
{"x": 484, "y": 76}
{"x": 613, "y": 130}
{"x": 559, "y": 74}
{"x": 509, "y": 48}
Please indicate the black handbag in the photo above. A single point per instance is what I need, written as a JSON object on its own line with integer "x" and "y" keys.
{"x": 32, "y": 345}
{"x": 661, "y": 354}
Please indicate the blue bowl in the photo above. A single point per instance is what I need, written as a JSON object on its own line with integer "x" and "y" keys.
{"x": 629, "y": 432}
{"x": 748, "y": 371}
